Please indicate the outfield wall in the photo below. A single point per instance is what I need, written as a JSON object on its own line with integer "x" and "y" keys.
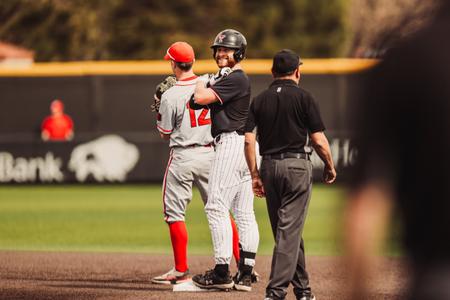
{"x": 109, "y": 103}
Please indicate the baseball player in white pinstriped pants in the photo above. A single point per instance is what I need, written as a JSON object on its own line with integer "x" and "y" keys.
{"x": 230, "y": 182}
{"x": 190, "y": 158}
{"x": 230, "y": 188}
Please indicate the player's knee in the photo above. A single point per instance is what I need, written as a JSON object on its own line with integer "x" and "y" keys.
{"x": 212, "y": 212}
{"x": 171, "y": 217}
{"x": 215, "y": 208}
{"x": 244, "y": 217}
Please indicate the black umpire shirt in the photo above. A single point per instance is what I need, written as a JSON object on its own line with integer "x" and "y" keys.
{"x": 230, "y": 113}
{"x": 284, "y": 114}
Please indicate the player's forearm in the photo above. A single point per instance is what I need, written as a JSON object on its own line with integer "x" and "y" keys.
{"x": 194, "y": 105}
{"x": 204, "y": 95}
{"x": 250, "y": 154}
{"x": 322, "y": 147}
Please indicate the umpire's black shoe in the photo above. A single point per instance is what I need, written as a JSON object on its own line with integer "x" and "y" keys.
{"x": 242, "y": 282}
{"x": 211, "y": 280}
{"x": 271, "y": 296}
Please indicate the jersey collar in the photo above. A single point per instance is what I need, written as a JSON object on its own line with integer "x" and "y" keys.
{"x": 187, "y": 81}
{"x": 189, "y": 78}
{"x": 284, "y": 82}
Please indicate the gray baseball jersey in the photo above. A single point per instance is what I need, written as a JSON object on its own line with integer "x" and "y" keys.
{"x": 191, "y": 152}
{"x": 186, "y": 126}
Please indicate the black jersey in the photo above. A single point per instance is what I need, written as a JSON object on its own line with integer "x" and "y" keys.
{"x": 230, "y": 113}
{"x": 284, "y": 114}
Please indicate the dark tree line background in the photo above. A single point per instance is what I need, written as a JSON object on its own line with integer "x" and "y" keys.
{"x": 65, "y": 30}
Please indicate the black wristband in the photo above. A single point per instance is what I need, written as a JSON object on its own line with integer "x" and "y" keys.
{"x": 194, "y": 105}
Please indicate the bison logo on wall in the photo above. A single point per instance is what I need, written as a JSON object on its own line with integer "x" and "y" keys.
{"x": 108, "y": 158}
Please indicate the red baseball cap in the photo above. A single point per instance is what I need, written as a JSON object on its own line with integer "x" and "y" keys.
{"x": 180, "y": 52}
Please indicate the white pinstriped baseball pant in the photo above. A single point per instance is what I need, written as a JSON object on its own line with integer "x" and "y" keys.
{"x": 230, "y": 189}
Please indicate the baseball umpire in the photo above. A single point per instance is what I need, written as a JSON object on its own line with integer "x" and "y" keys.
{"x": 230, "y": 182}
{"x": 191, "y": 153}
{"x": 286, "y": 117}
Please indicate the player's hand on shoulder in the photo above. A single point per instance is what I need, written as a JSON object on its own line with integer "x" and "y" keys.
{"x": 205, "y": 79}
{"x": 222, "y": 73}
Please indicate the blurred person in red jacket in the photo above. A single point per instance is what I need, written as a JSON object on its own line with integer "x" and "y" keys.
{"x": 58, "y": 126}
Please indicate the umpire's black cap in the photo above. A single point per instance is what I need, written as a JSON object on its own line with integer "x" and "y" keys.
{"x": 285, "y": 61}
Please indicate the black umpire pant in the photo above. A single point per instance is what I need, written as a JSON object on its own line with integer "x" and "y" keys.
{"x": 287, "y": 183}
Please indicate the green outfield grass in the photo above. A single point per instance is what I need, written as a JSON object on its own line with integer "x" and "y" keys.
{"x": 128, "y": 218}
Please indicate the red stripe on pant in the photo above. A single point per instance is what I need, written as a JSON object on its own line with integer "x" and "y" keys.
{"x": 165, "y": 183}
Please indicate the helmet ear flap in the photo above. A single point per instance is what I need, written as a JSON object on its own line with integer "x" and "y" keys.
{"x": 239, "y": 55}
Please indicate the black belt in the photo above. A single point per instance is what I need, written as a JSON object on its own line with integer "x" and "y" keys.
{"x": 287, "y": 155}
{"x": 194, "y": 146}
{"x": 217, "y": 138}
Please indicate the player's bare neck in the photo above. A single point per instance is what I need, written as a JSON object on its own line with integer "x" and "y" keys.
{"x": 289, "y": 77}
{"x": 184, "y": 75}
{"x": 236, "y": 67}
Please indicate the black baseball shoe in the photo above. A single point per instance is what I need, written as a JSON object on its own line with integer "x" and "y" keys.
{"x": 211, "y": 280}
{"x": 308, "y": 296}
{"x": 242, "y": 282}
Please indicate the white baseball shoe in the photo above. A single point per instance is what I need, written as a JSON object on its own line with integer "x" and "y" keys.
{"x": 172, "y": 277}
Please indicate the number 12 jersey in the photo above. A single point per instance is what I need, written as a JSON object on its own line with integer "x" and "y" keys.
{"x": 187, "y": 127}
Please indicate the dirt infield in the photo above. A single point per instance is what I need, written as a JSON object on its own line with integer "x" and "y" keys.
{"x": 43, "y": 275}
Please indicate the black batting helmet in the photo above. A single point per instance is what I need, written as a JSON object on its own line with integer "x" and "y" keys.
{"x": 230, "y": 38}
